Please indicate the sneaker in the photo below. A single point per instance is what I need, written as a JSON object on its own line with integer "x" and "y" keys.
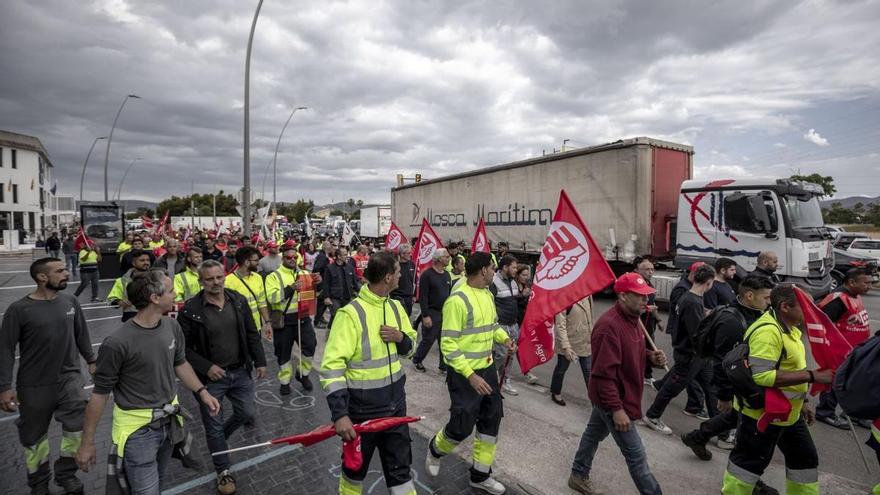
{"x": 489, "y": 485}
{"x": 834, "y": 421}
{"x": 656, "y": 425}
{"x": 726, "y": 442}
{"x": 420, "y": 367}
{"x": 864, "y": 423}
{"x": 699, "y": 448}
{"x": 508, "y": 388}
{"x": 96, "y": 300}
{"x": 285, "y": 389}
{"x": 530, "y": 378}
{"x": 432, "y": 464}
{"x": 225, "y": 483}
{"x": 763, "y": 489}
{"x": 305, "y": 381}
{"x": 702, "y": 415}
{"x": 649, "y": 382}
{"x": 582, "y": 485}
{"x": 70, "y": 486}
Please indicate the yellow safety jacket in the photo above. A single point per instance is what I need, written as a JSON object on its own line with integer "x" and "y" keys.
{"x": 123, "y": 248}
{"x": 117, "y": 292}
{"x": 767, "y": 337}
{"x": 253, "y": 290}
{"x": 276, "y": 282}
{"x": 470, "y": 328}
{"x": 156, "y": 244}
{"x": 126, "y": 422}
{"x": 362, "y": 375}
{"x": 87, "y": 257}
{"x": 451, "y": 260}
{"x": 186, "y": 285}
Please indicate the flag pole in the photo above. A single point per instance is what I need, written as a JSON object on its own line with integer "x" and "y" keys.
{"x": 239, "y": 449}
{"x": 651, "y": 343}
{"x": 852, "y": 429}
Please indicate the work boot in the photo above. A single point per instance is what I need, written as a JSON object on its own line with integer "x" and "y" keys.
{"x": 699, "y": 448}
{"x": 489, "y": 485}
{"x": 70, "y": 486}
{"x": 285, "y": 389}
{"x": 762, "y": 489}
{"x": 582, "y": 485}
{"x": 305, "y": 381}
{"x": 225, "y": 483}
{"x": 432, "y": 464}
{"x": 41, "y": 489}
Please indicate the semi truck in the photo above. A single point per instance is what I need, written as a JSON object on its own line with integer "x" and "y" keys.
{"x": 375, "y": 222}
{"x": 637, "y": 197}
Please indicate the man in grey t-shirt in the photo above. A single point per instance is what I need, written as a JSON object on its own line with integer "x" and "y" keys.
{"x": 50, "y": 332}
{"x": 138, "y": 363}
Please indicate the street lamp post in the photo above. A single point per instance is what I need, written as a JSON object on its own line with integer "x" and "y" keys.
{"x": 109, "y": 139}
{"x": 246, "y": 190}
{"x": 127, "y": 170}
{"x": 275, "y": 158}
{"x": 82, "y": 179}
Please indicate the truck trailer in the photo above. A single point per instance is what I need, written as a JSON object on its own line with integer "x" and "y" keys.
{"x": 375, "y": 222}
{"x": 637, "y": 197}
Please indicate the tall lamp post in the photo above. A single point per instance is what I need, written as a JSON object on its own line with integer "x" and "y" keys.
{"x": 127, "y": 170}
{"x": 246, "y": 190}
{"x": 109, "y": 139}
{"x": 275, "y": 158}
{"x": 82, "y": 179}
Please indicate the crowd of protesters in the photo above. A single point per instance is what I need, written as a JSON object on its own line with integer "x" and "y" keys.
{"x": 229, "y": 291}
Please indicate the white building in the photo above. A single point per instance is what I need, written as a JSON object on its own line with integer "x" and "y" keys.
{"x": 25, "y": 196}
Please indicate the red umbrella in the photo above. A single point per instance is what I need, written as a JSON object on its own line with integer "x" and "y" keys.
{"x": 324, "y": 432}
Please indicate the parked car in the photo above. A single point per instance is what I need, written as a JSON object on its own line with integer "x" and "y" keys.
{"x": 845, "y": 260}
{"x": 844, "y": 239}
{"x": 867, "y": 247}
{"x": 834, "y": 230}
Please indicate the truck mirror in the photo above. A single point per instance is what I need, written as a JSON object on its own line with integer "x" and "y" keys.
{"x": 758, "y": 214}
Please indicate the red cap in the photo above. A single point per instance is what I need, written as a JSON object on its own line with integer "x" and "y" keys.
{"x": 289, "y": 244}
{"x": 695, "y": 265}
{"x": 633, "y": 282}
{"x": 272, "y": 245}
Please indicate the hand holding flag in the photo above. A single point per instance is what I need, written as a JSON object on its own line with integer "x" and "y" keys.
{"x": 828, "y": 346}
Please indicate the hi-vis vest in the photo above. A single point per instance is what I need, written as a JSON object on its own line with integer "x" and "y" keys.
{"x": 88, "y": 258}
{"x": 252, "y": 289}
{"x": 858, "y": 331}
{"x": 126, "y": 422}
{"x": 275, "y": 284}
{"x": 470, "y": 328}
{"x": 765, "y": 347}
{"x": 356, "y": 358}
{"x": 186, "y": 285}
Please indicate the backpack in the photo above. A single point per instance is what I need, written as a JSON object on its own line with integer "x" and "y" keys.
{"x": 703, "y": 340}
{"x": 857, "y": 381}
{"x": 736, "y": 365}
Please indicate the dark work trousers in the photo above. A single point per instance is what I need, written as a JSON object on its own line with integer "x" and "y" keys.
{"x": 687, "y": 369}
{"x": 319, "y": 314}
{"x": 695, "y": 398}
{"x": 429, "y": 336}
{"x": 337, "y": 303}
{"x": 66, "y": 401}
{"x": 827, "y": 407}
{"x": 87, "y": 276}
{"x": 284, "y": 338}
{"x": 754, "y": 450}
{"x": 562, "y": 366}
{"x": 717, "y": 426}
{"x": 395, "y": 452}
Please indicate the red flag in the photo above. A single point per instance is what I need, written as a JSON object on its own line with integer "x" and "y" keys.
{"x": 394, "y": 238}
{"x": 147, "y": 221}
{"x": 480, "y": 243}
{"x": 776, "y": 408}
{"x": 427, "y": 242}
{"x": 163, "y": 221}
{"x": 307, "y": 304}
{"x": 828, "y": 345}
{"x": 82, "y": 240}
{"x": 571, "y": 268}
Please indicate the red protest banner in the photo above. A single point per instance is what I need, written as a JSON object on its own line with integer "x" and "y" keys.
{"x": 394, "y": 238}
{"x": 571, "y": 268}
{"x": 828, "y": 345}
{"x": 480, "y": 244}
{"x": 427, "y": 242}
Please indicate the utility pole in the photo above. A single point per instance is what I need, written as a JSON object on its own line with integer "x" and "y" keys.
{"x": 246, "y": 190}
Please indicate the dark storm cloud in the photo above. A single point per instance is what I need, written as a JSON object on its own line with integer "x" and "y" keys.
{"x": 429, "y": 87}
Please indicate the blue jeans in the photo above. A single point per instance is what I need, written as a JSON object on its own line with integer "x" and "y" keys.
{"x": 499, "y": 351}
{"x": 147, "y": 452}
{"x": 630, "y": 445}
{"x": 238, "y": 387}
{"x": 72, "y": 260}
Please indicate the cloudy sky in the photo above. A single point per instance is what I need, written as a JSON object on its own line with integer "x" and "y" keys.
{"x": 758, "y": 87}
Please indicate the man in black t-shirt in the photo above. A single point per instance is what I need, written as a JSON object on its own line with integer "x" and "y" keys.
{"x": 688, "y": 366}
{"x": 434, "y": 287}
{"x": 721, "y": 293}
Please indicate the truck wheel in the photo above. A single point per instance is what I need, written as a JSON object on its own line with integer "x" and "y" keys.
{"x": 836, "y": 280}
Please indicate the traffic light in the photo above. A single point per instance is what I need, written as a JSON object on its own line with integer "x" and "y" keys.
{"x": 418, "y": 177}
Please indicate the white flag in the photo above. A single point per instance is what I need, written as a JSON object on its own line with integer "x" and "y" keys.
{"x": 347, "y": 234}
{"x": 308, "y": 226}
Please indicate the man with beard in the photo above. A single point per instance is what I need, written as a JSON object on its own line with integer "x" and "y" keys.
{"x": 50, "y": 331}
{"x": 140, "y": 263}
{"x": 767, "y": 264}
{"x": 186, "y": 283}
{"x": 127, "y": 258}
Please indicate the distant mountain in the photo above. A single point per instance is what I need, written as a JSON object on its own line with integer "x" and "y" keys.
{"x": 850, "y": 201}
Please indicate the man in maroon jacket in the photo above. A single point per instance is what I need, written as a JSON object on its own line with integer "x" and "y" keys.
{"x": 615, "y": 389}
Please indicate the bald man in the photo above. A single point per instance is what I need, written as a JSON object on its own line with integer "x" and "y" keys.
{"x": 767, "y": 265}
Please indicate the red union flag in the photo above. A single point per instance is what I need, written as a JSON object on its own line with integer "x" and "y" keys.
{"x": 427, "y": 242}
{"x": 480, "y": 243}
{"x": 394, "y": 238}
{"x": 163, "y": 222}
{"x": 828, "y": 345}
{"x": 82, "y": 240}
{"x": 147, "y": 221}
{"x": 571, "y": 268}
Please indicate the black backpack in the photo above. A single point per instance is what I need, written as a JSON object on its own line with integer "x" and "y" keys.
{"x": 857, "y": 381}
{"x": 736, "y": 365}
{"x": 703, "y": 340}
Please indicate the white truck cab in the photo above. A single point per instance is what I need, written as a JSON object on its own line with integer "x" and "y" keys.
{"x": 740, "y": 218}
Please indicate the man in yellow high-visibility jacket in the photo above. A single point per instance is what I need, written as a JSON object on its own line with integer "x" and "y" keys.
{"x": 362, "y": 375}
{"x": 470, "y": 327}
{"x": 186, "y": 283}
{"x": 246, "y": 281}
{"x": 283, "y": 292}
{"x": 778, "y": 359}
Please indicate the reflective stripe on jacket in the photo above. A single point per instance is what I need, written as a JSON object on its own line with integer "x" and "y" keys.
{"x": 276, "y": 283}
{"x": 253, "y": 290}
{"x": 470, "y": 327}
{"x": 186, "y": 285}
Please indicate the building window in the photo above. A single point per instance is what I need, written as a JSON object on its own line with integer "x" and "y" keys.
{"x": 1, "y": 157}
{"x": 14, "y": 160}
{"x": 32, "y": 222}
{"x": 2, "y": 194}
{"x": 15, "y": 193}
